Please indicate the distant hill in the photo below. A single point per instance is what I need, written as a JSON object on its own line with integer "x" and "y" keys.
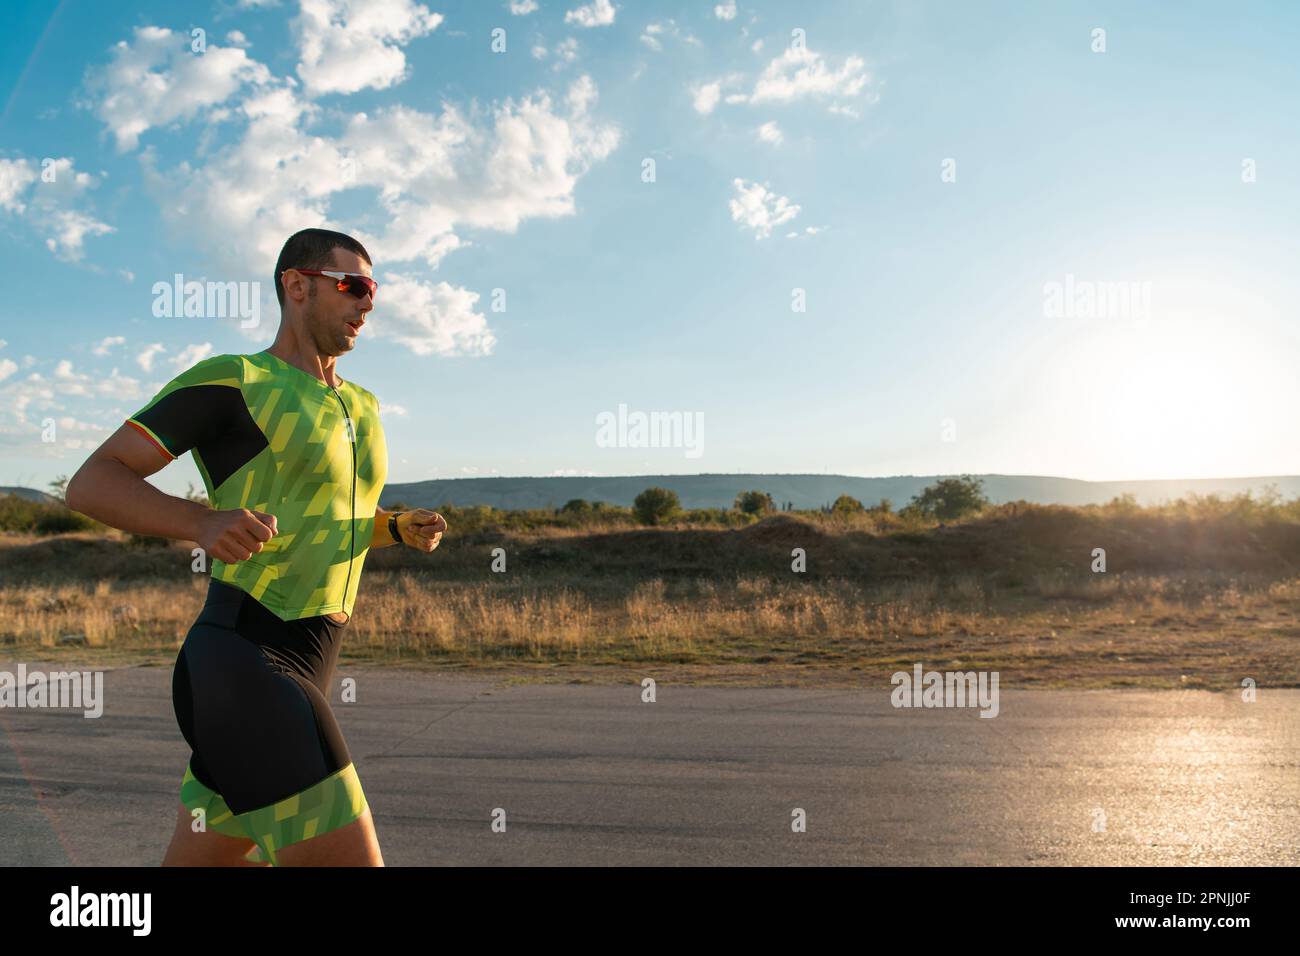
{"x": 805, "y": 491}
{"x": 31, "y": 494}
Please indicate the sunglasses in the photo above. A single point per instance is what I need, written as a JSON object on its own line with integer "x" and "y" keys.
{"x": 359, "y": 285}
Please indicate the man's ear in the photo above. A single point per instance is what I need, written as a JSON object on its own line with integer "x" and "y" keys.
{"x": 296, "y": 286}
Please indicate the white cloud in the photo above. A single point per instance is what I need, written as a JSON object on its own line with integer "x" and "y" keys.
{"x": 15, "y": 176}
{"x": 521, "y": 8}
{"x": 44, "y": 397}
{"x": 566, "y": 52}
{"x": 350, "y": 45}
{"x": 117, "y": 386}
{"x": 769, "y": 132}
{"x": 799, "y": 72}
{"x": 63, "y": 180}
{"x": 69, "y": 424}
{"x": 845, "y": 110}
{"x": 256, "y": 192}
{"x": 755, "y": 207}
{"x": 69, "y": 230}
{"x": 669, "y": 27}
{"x": 20, "y": 395}
{"x": 725, "y": 10}
{"x": 68, "y": 381}
{"x": 567, "y": 49}
{"x": 191, "y": 354}
{"x": 433, "y": 318}
{"x": 106, "y": 344}
{"x": 385, "y": 408}
{"x": 155, "y": 80}
{"x": 598, "y": 13}
{"x": 757, "y": 46}
{"x": 796, "y": 74}
{"x": 705, "y": 97}
{"x": 126, "y": 274}
{"x": 257, "y": 4}
{"x": 432, "y": 174}
{"x": 48, "y": 200}
{"x": 145, "y": 356}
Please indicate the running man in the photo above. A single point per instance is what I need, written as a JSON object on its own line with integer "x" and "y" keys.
{"x": 293, "y": 459}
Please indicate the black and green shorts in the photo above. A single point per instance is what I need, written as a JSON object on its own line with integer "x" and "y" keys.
{"x": 250, "y": 692}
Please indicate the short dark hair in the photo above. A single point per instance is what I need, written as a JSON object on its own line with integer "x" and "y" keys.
{"x": 312, "y": 249}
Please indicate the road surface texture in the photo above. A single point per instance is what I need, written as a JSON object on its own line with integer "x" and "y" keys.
{"x": 704, "y": 776}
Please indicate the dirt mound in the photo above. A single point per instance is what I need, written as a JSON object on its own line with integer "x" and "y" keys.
{"x": 784, "y": 530}
{"x": 88, "y": 556}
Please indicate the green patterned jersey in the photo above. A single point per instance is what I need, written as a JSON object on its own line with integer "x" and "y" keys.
{"x": 270, "y": 437}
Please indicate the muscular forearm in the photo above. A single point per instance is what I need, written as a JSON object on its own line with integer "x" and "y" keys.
{"x": 109, "y": 491}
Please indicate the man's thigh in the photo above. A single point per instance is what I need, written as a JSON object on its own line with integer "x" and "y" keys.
{"x": 352, "y": 845}
{"x": 206, "y": 847}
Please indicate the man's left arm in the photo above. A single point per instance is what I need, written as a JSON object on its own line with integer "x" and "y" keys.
{"x": 420, "y": 528}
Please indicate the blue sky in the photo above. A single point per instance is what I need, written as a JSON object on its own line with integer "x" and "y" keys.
{"x": 949, "y": 163}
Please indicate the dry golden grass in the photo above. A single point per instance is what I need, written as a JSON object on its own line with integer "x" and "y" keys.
{"x": 1144, "y": 631}
{"x": 1189, "y": 600}
{"x": 142, "y": 615}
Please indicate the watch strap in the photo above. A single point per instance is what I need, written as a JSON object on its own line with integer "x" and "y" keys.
{"x": 392, "y": 526}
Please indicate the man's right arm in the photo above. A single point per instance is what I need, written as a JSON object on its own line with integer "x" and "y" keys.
{"x": 110, "y": 487}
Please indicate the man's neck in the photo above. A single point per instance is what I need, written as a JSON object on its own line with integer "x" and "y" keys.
{"x": 309, "y": 361}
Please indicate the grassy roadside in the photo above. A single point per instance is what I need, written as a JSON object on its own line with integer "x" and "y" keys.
{"x": 1190, "y": 598}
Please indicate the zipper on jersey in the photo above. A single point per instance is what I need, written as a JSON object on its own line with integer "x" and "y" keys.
{"x": 352, "y": 440}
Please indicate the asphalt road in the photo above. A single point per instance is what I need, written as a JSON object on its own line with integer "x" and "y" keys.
{"x": 592, "y": 775}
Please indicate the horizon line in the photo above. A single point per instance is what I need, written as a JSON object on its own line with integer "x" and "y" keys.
{"x": 810, "y": 474}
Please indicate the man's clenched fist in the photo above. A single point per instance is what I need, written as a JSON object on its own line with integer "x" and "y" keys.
{"x": 421, "y": 528}
{"x": 236, "y": 534}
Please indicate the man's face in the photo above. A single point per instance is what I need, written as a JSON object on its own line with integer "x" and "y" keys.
{"x": 334, "y": 318}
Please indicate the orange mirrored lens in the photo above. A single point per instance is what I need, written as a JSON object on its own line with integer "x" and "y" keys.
{"x": 360, "y": 286}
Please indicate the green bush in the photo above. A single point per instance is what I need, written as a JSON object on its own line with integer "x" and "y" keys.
{"x": 31, "y": 517}
{"x": 55, "y": 520}
{"x": 656, "y": 505}
{"x": 754, "y": 502}
{"x": 951, "y": 498}
{"x": 17, "y": 514}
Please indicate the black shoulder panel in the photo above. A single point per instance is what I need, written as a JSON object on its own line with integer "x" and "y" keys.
{"x": 212, "y": 419}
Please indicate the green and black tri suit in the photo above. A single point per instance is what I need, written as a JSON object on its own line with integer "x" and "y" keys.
{"x": 252, "y": 680}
